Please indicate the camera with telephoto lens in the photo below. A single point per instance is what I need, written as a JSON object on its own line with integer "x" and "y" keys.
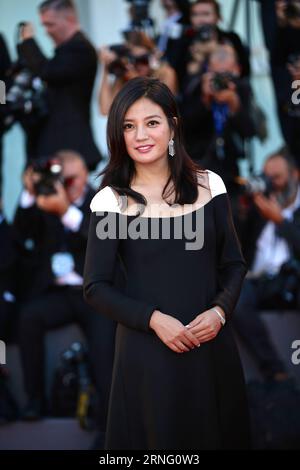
{"x": 292, "y": 9}
{"x": 255, "y": 184}
{"x": 220, "y": 81}
{"x": 118, "y": 67}
{"x": 49, "y": 172}
{"x": 143, "y": 60}
{"x": 26, "y": 100}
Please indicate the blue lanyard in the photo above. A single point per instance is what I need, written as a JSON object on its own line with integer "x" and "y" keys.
{"x": 220, "y": 116}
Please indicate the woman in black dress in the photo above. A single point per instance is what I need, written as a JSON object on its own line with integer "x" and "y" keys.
{"x": 177, "y": 378}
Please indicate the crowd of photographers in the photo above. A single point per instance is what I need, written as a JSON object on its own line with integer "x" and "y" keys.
{"x": 42, "y": 252}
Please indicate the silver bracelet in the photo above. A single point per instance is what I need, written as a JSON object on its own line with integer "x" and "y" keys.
{"x": 222, "y": 319}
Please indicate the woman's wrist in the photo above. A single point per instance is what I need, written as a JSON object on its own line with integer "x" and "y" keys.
{"x": 220, "y": 312}
{"x": 155, "y": 317}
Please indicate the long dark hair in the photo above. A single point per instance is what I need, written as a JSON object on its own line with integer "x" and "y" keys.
{"x": 120, "y": 169}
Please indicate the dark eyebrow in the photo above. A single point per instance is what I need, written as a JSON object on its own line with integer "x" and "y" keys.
{"x": 146, "y": 118}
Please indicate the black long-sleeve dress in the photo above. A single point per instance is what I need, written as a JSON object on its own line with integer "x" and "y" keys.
{"x": 161, "y": 399}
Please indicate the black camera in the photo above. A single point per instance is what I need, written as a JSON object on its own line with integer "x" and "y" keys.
{"x": 25, "y": 99}
{"x": 143, "y": 59}
{"x": 292, "y": 9}
{"x": 118, "y": 67}
{"x": 205, "y": 33}
{"x": 220, "y": 81}
{"x": 255, "y": 184}
{"x": 49, "y": 172}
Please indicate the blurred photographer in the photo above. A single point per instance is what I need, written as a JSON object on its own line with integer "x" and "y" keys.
{"x": 69, "y": 75}
{"x": 270, "y": 238}
{"x": 203, "y": 44}
{"x": 137, "y": 57}
{"x": 51, "y": 227}
{"x": 197, "y": 42}
{"x": 217, "y": 115}
{"x": 285, "y": 61}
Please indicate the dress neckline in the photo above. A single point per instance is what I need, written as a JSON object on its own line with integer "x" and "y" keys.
{"x": 169, "y": 217}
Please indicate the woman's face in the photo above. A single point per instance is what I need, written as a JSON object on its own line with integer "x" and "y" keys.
{"x": 146, "y": 132}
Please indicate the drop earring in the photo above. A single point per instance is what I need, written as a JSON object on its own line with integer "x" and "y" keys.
{"x": 171, "y": 148}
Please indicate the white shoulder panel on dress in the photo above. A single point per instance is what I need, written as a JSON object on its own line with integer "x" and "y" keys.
{"x": 216, "y": 184}
{"x": 105, "y": 201}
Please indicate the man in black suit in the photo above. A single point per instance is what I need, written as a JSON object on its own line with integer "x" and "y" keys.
{"x": 51, "y": 232}
{"x": 270, "y": 237}
{"x": 70, "y": 76}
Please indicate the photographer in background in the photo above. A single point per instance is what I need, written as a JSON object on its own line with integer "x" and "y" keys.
{"x": 217, "y": 118}
{"x": 192, "y": 50}
{"x": 51, "y": 228}
{"x": 270, "y": 238}
{"x": 70, "y": 76}
{"x": 285, "y": 61}
{"x": 136, "y": 58}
